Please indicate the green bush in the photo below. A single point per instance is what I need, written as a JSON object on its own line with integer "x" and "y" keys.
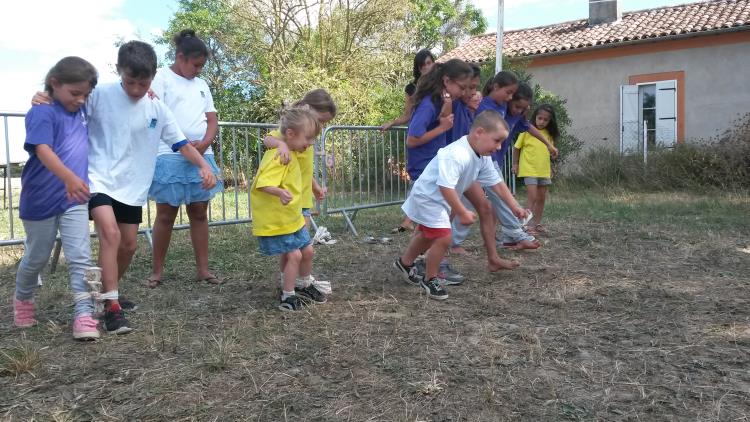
{"x": 723, "y": 164}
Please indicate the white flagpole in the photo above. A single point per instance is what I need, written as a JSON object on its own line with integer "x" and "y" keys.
{"x": 499, "y": 37}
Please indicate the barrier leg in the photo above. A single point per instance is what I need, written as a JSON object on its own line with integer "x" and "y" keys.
{"x": 349, "y": 222}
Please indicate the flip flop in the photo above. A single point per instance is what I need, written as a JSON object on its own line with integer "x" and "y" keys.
{"x": 211, "y": 280}
{"x": 153, "y": 283}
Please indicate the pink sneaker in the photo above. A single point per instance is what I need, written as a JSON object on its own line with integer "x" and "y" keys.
{"x": 84, "y": 327}
{"x": 24, "y": 312}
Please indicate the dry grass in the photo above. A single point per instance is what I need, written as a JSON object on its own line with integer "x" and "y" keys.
{"x": 636, "y": 308}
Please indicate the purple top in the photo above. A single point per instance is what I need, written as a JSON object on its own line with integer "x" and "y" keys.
{"x": 462, "y": 120}
{"x": 517, "y": 124}
{"x": 42, "y": 193}
{"x": 425, "y": 118}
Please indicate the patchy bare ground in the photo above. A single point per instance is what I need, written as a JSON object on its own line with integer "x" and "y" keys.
{"x": 637, "y": 308}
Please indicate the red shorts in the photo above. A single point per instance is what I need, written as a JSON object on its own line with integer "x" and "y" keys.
{"x": 433, "y": 233}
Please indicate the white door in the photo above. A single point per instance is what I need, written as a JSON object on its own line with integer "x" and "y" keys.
{"x": 629, "y": 128}
{"x": 666, "y": 113}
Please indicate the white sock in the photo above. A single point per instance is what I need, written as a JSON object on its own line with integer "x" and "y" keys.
{"x": 304, "y": 281}
{"x": 285, "y": 295}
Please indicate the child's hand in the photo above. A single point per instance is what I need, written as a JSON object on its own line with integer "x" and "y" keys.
{"x": 285, "y": 197}
{"x": 386, "y": 126}
{"x": 282, "y": 151}
{"x": 208, "y": 177}
{"x": 553, "y": 152}
{"x": 520, "y": 212}
{"x": 76, "y": 190}
{"x": 514, "y": 168}
{"x": 319, "y": 192}
{"x": 466, "y": 217}
{"x": 41, "y": 97}
{"x": 446, "y": 122}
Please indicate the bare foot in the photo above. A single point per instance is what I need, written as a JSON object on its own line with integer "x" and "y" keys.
{"x": 458, "y": 250}
{"x": 527, "y": 244}
{"x": 502, "y": 264}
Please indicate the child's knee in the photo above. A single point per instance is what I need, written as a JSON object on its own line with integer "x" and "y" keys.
{"x": 307, "y": 253}
{"x": 294, "y": 256}
{"x": 484, "y": 209}
{"x": 110, "y": 234}
{"x": 197, "y": 213}
{"x": 127, "y": 246}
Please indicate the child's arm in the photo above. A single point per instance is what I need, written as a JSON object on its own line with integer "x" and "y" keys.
{"x": 191, "y": 154}
{"x": 318, "y": 191}
{"x": 282, "y": 150}
{"x": 447, "y": 108}
{"x": 516, "y": 157}
{"x": 465, "y": 216}
{"x": 284, "y": 195}
{"x": 211, "y": 131}
{"x": 538, "y": 135}
{"x": 446, "y": 122}
{"x": 504, "y": 193}
{"x": 75, "y": 188}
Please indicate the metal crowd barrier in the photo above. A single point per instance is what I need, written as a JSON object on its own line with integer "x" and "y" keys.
{"x": 361, "y": 166}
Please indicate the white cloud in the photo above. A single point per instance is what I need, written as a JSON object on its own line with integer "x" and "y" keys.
{"x": 41, "y": 32}
{"x": 35, "y": 34}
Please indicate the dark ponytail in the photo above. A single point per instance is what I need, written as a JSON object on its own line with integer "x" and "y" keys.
{"x": 431, "y": 84}
{"x": 187, "y": 43}
{"x": 503, "y": 78}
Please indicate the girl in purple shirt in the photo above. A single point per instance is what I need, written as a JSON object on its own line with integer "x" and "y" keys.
{"x": 55, "y": 192}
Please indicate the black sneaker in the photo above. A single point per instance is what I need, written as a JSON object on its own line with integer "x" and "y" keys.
{"x": 115, "y": 322}
{"x": 311, "y": 294}
{"x": 409, "y": 272}
{"x": 434, "y": 289}
{"x": 292, "y": 303}
{"x": 126, "y": 304}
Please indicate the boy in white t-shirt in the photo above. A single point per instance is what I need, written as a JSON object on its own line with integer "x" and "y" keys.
{"x": 434, "y": 199}
{"x": 125, "y": 129}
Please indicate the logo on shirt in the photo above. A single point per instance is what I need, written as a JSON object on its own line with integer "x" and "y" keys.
{"x": 84, "y": 121}
{"x": 152, "y": 125}
{"x": 203, "y": 94}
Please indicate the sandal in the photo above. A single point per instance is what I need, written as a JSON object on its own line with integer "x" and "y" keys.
{"x": 540, "y": 229}
{"x": 153, "y": 283}
{"x": 211, "y": 280}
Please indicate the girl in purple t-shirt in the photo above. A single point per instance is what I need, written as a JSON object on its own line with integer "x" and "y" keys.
{"x": 55, "y": 192}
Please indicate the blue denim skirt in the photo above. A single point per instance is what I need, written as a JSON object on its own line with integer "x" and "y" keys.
{"x": 281, "y": 244}
{"x": 177, "y": 182}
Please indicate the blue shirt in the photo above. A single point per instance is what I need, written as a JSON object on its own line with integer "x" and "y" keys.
{"x": 462, "y": 120}
{"x": 490, "y": 104}
{"x": 517, "y": 124}
{"x": 43, "y": 193}
{"x": 425, "y": 118}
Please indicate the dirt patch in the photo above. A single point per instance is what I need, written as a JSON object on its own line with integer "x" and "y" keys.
{"x": 617, "y": 317}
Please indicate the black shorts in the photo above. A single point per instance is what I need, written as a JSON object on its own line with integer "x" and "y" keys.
{"x": 125, "y": 214}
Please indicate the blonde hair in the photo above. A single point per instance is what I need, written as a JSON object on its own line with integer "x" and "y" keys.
{"x": 299, "y": 118}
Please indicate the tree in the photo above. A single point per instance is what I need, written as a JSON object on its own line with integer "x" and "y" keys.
{"x": 443, "y": 24}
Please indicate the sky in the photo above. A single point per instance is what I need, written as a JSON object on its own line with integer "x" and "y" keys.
{"x": 34, "y": 34}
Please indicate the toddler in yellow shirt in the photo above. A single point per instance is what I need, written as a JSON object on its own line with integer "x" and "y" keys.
{"x": 276, "y": 202}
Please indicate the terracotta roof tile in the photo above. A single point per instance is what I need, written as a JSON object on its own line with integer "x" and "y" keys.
{"x": 712, "y": 15}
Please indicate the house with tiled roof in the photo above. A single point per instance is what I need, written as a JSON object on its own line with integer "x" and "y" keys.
{"x": 664, "y": 75}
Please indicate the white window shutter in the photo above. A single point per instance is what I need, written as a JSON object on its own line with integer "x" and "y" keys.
{"x": 629, "y": 139}
{"x": 666, "y": 113}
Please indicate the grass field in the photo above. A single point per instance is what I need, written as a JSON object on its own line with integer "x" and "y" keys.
{"x": 636, "y": 308}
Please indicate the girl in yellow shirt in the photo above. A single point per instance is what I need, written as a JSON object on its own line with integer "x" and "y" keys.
{"x": 531, "y": 161}
{"x": 276, "y": 201}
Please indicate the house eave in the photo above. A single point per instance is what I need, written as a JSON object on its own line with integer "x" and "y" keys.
{"x": 631, "y": 42}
